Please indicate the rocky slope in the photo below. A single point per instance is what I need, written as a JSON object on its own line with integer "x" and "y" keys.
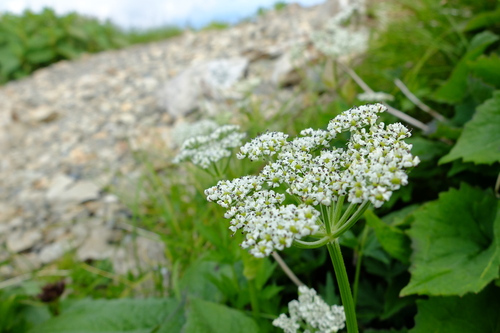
{"x": 69, "y": 131}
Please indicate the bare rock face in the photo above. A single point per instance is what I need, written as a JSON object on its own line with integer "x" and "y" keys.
{"x": 182, "y": 93}
{"x": 68, "y": 131}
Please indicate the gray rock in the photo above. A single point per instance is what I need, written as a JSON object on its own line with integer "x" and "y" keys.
{"x": 80, "y": 192}
{"x": 65, "y": 190}
{"x": 54, "y": 251}
{"x": 181, "y": 94}
{"x": 96, "y": 246}
{"x": 19, "y": 241}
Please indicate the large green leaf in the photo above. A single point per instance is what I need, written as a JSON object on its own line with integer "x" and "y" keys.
{"x": 393, "y": 240}
{"x": 488, "y": 69}
{"x": 208, "y": 317}
{"x": 471, "y": 313}
{"x": 456, "y": 243}
{"x": 111, "y": 316}
{"x": 453, "y": 90}
{"x": 480, "y": 139}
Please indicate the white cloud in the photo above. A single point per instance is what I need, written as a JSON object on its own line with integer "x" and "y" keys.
{"x": 151, "y": 13}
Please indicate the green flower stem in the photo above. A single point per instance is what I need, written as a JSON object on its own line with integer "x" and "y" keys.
{"x": 312, "y": 245}
{"x": 347, "y": 214}
{"x": 353, "y": 219}
{"x": 325, "y": 216}
{"x": 344, "y": 287}
{"x": 338, "y": 209}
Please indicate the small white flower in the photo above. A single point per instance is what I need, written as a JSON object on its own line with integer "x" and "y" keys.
{"x": 266, "y": 144}
{"x": 313, "y": 311}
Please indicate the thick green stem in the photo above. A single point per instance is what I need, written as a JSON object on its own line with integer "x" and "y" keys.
{"x": 344, "y": 287}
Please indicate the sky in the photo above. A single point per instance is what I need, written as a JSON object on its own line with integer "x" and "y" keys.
{"x": 145, "y": 14}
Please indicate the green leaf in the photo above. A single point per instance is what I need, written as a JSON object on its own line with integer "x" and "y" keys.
{"x": 456, "y": 243}
{"x": 195, "y": 280}
{"x": 483, "y": 20}
{"x": 393, "y": 303}
{"x": 40, "y": 56}
{"x": 111, "y": 316}
{"x": 425, "y": 149}
{"x": 471, "y": 313}
{"x": 393, "y": 240}
{"x": 479, "y": 90}
{"x": 453, "y": 90}
{"x": 480, "y": 139}
{"x": 208, "y": 317}
{"x": 8, "y": 62}
{"x": 487, "y": 68}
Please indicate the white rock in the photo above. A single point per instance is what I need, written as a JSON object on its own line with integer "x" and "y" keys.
{"x": 19, "y": 241}
{"x": 96, "y": 246}
{"x": 181, "y": 94}
{"x": 65, "y": 190}
{"x": 81, "y": 191}
{"x": 59, "y": 185}
{"x": 54, "y": 251}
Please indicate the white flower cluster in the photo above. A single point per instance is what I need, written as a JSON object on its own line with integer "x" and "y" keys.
{"x": 266, "y": 144}
{"x": 314, "y": 312}
{"x": 267, "y": 225}
{"x": 337, "y": 39}
{"x": 203, "y": 150}
{"x": 376, "y": 96}
{"x": 369, "y": 168}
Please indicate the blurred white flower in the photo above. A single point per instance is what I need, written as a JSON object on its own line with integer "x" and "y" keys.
{"x": 203, "y": 150}
{"x": 339, "y": 38}
{"x": 184, "y": 131}
{"x": 376, "y": 96}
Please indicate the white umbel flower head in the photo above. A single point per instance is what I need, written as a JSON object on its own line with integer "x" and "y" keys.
{"x": 313, "y": 311}
{"x": 203, "y": 150}
{"x": 368, "y": 169}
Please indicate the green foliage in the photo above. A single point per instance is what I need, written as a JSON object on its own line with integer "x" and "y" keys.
{"x": 208, "y": 317}
{"x": 139, "y": 36}
{"x": 393, "y": 240}
{"x": 470, "y": 313}
{"x": 456, "y": 243}
{"x": 120, "y": 315}
{"x": 455, "y": 88}
{"x": 480, "y": 139}
{"x": 147, "y": 316}
{"x": 32, "y": 41}
{"x": 215, "y": 25}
